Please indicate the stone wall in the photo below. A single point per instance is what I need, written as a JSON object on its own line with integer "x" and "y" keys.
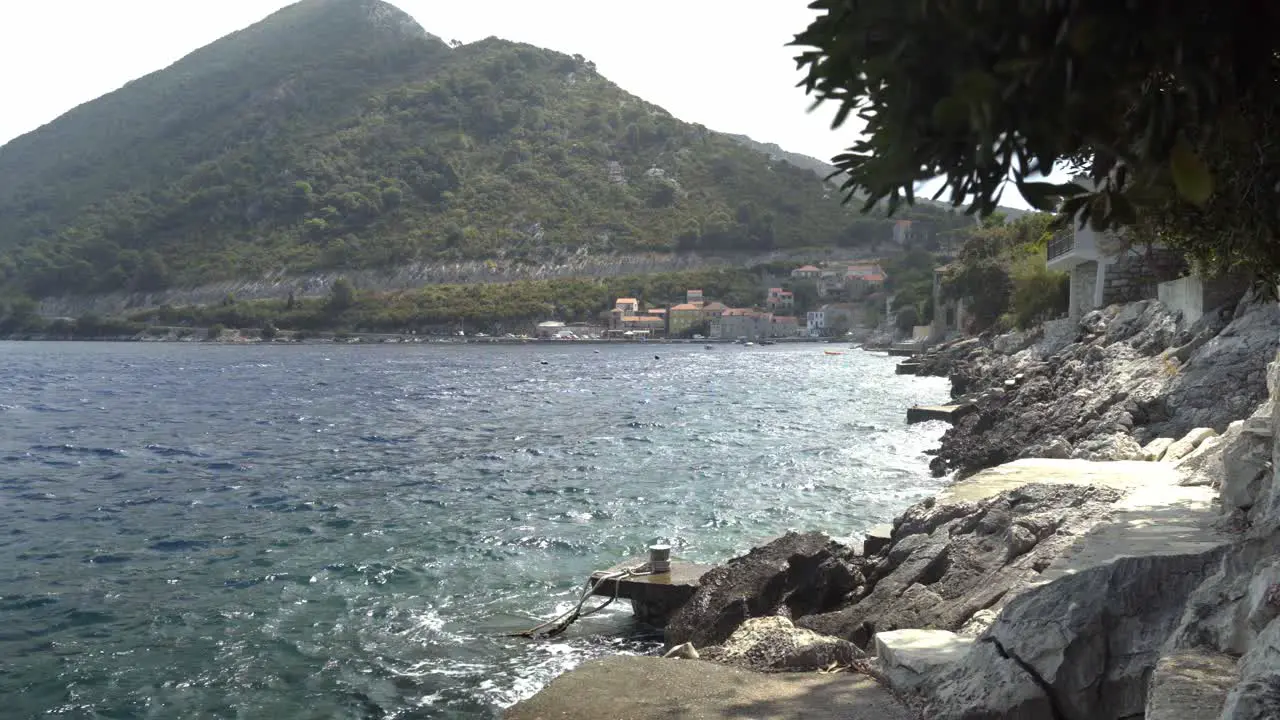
{"x": 1084, "y": 282}
{"x": 1193, "y": 295}
{"x": 1134, "y": 276}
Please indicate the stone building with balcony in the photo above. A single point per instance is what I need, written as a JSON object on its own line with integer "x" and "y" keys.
{"x": 1104, "y": 270}
{"x": 950, "y": 316}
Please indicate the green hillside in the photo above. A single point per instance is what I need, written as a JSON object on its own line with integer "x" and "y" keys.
{"x": 339, "y": 134}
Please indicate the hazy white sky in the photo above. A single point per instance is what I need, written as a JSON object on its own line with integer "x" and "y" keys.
{"x": 706, "y": 61}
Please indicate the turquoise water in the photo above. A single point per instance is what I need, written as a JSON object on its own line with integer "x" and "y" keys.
{"x": 347, "y": 532}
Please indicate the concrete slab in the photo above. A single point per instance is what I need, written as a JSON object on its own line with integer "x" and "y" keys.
{"x": 907, "y": 367}
{"x": 653, "y": 597}
{"x": 1152, "y": 520}
{"x": 1156, "y": 516}
{"x": 1121, "y": 475}
{"x": 647, "y": 688}
{"x": 948, "y": 413}
{"x": 878, "y": 538}
{"x": 911, "y": 657}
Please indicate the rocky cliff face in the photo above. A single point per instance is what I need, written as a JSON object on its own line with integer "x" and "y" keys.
{"x": 1102, "y": 389}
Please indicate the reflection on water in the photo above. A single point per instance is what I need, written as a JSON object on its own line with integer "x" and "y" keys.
{"x": 326, "y": 531}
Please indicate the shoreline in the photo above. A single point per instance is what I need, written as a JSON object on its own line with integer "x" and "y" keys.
{"x": 1047, "y": 540}
{"x": 397, "y": 339}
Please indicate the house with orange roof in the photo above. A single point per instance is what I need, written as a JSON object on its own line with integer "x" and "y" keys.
{"x": 631, "y": 326}
{"x": 683, "y": 318}
{"x": 779, "y": 300}
{"x": 806, "y": 272}
{"x": 622, "y": 308}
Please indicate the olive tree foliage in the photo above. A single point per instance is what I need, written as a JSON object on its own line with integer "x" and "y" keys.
{"x": 1169, "y": 108}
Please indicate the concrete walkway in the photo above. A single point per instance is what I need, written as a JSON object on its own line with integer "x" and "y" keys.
{"x": 1156, "y": 517}
{"x": 647, "y": 688}
{"x": 1151, "y": 521}
{"x": 1121, "y": 475}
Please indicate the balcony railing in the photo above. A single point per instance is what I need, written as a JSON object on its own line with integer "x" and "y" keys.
{"x": 1061, "y": 244}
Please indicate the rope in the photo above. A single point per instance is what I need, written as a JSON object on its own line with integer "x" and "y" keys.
{"x": 560, "y": 623}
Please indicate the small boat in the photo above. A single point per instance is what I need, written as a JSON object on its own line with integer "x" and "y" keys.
{"x": 748, "y": 344}
{"x": 832, "y": 352}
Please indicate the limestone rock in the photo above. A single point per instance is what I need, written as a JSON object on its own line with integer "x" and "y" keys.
{"x": 986, "y": 686}
{"x": 1257, "y": 696}
{"x": 979, "y": 623}
{"x": 684, "y": 651}
{"x": 1015, "y": 342}
{"x": 1093, "y": 638}
{"x": 911, "y": 658}
{"x": 1262, "y": 603}
{"x": 1218, "y": 612}
{"x": 1225, "y": 379}
{"x": 773, "y": 643}
{"x": 1057, "y": 448}
{"x": 949, "y": 561}
{"x": 1246, "y": 462}
{"x": 1190, "y": 685}
{"x": 1115, "y": 446}
{"x": 1128, "y": 373}
{"x": 1155, "y": 450}
{"x": 1203, "y": 466}
{"x": 793, "y": 575}
{"x": 1189, "y": 442}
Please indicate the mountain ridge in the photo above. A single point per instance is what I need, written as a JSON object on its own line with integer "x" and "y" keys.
{"x": 340, "y": 134}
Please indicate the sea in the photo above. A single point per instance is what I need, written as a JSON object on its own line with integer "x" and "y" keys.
{"x": 345, "y": 531}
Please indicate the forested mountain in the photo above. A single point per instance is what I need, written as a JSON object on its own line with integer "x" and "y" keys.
{"x": 340, "y": 134}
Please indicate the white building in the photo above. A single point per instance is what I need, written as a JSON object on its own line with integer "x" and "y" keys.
{"x": 815, "y": 323}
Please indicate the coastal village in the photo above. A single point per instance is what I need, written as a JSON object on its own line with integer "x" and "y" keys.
{"x": 850, "y": 294}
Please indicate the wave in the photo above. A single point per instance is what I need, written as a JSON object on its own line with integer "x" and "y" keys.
{"x": 79, "y": 450}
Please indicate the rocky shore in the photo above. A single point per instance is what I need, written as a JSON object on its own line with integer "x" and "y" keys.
{"x": 1106, "y": 387}
{"x": 1114, "y": 553}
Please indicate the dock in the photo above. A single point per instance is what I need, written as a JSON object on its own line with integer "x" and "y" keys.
{"x": 907, "y": 367}
{"x": 653, "y": 597}
{"x": 948, "y": 413}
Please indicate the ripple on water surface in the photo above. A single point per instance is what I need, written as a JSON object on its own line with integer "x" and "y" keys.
{"x": 351, "y": 532}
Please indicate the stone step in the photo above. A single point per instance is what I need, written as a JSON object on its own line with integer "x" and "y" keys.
{"x": 911, "y": 658}
{"x": 1190, "y": 685}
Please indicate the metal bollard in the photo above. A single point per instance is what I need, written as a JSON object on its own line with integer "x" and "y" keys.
{"x": 659, "y": 559}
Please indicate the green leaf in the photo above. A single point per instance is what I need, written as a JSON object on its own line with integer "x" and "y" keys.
{"x": 1190, "y": 173}
{"x": 949, "y": 113}
{"x": 1041, "y": 195}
